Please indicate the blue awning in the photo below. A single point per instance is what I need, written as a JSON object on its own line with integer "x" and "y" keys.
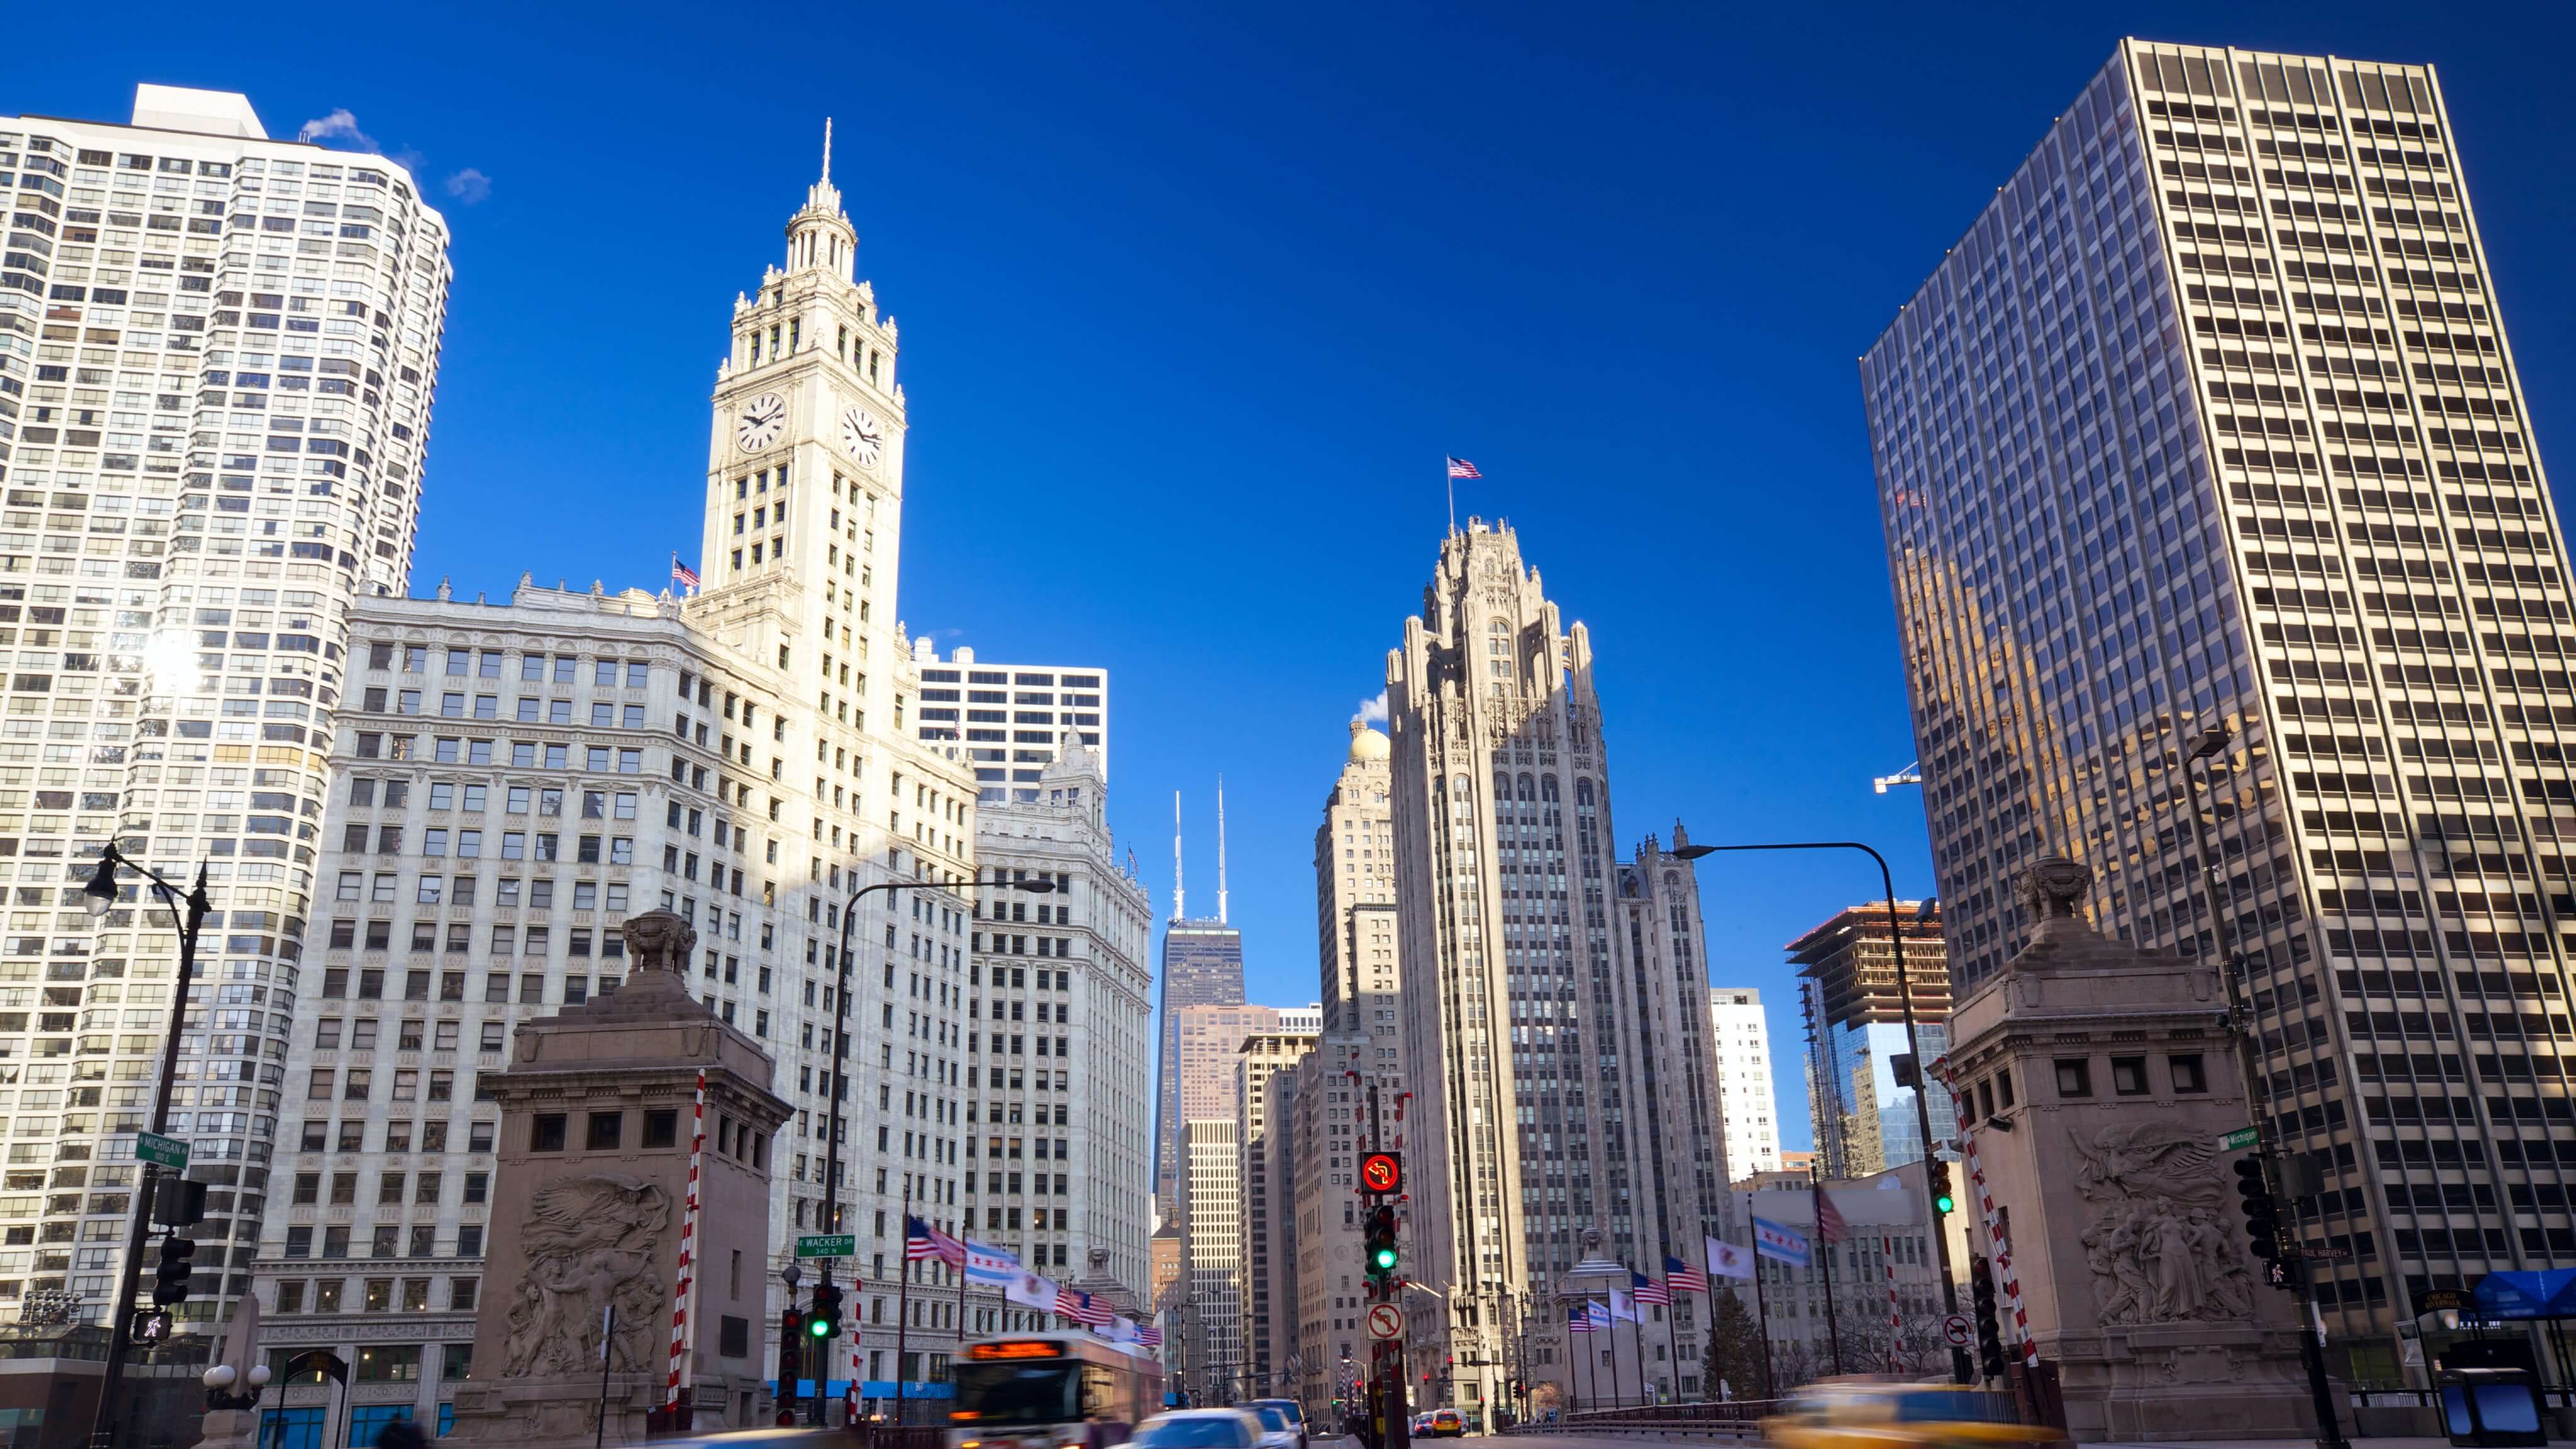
{"x": 2550, "y": 1294}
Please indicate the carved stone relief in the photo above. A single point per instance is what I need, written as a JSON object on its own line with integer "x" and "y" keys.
{"x": 2157, "y": 1235}
{"x": 588, "y": 1242}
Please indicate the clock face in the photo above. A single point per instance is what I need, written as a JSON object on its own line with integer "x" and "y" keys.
{"x": 862, "y": 435}
{"x": 763, "y": 421}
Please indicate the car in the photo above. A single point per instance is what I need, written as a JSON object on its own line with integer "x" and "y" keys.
{"x": 1295, "y": 1413}
{"x": 1860, "y": 1414}
{"x": 1201, "y": 1429}
{"x": 1422, "y": 1425}
{"x": 1448, "y": 1424}
{"x": 1277, "y": 1430}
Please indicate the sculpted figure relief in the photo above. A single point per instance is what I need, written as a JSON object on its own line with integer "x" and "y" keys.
{"x": 2154, "y": 1235}
{"x": 588, "y": 1241}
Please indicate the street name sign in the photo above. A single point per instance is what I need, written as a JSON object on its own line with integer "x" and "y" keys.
{"x": 2242, "y": 1137}
{"x": 167, "y": 1152}
{"x": 828, "y": 1245}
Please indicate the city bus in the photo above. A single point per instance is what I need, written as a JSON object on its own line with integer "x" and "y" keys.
{"x": 1051, "y": 1391}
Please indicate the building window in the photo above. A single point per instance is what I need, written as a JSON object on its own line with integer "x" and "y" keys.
{"x": 605, "y": 1129}
{"x": 2129, "y": 1076}
{"x": 2188, "y": 1074}
{"x": 2074, "y": 1078}
{"x": 546, "y": 1132}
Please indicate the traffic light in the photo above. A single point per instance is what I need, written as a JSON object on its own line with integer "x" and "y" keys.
{"x": 1990, "y": 1334}
{"x": 1379, "y": 1253}
{"x": 179, "y": 1202}
{"x": 170, "y": 1282}
{"x": 1942, "y": 1201}
{"x": 2262, "y": 1222}
{"x": 791, "y": 1349}
{"x": 823, "y": 1320}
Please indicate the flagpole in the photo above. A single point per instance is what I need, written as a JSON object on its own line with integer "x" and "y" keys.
{"x": 1451, "y": 475}
{"x": 1825, "y": 1259}
{"x": 1637, "y": 1341}
{"x": 1761, "y": 1313}
{"x": 1592, "y": 1357}
{"x": 1672, "y": 1344}
{"x": 903, "y": 1300}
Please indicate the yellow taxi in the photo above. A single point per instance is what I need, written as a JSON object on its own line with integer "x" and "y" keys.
{"x": 1872, "y": 1414}
{"x": 1447, "y": 1424}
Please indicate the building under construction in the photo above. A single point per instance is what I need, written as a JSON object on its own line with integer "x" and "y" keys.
{"x": 1859, "y": 1080}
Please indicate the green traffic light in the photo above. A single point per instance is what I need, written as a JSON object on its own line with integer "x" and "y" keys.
{"x": 819, "y": 1328}
{"x": 1944, "y": 1202}
{"x": 1385, "y": 1258}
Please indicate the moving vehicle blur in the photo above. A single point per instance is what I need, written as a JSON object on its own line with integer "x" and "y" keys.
{"x": 1201, "y": 1429}
{"x": 1290, "y": 1407}
{"x": 1448, "y": 1424}
{"x": 1050, "y": 1391}
{"x": 1880, "y": 1414}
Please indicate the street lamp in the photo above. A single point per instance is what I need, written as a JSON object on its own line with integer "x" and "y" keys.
{"x": 2205, "y": 747}
{"x": 836, "y": 1077}
{"x": 188, "y": 910}
{"x": 1959, "y": 1366}
{"x": 220, "y": 1379}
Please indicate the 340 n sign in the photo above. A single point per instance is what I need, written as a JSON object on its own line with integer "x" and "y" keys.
{"x": 1382, "y": 1172}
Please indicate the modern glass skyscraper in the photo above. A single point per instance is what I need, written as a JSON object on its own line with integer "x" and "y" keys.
{"x": 2210, "y": 419}
{"x": 217, "y": 353}
{"x": 1202, "y": 966}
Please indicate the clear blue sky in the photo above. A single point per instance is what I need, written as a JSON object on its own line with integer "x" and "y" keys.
{"x": 1195, "y": 298}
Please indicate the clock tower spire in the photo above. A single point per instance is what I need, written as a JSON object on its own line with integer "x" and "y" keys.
{"x": 820, "y": 235}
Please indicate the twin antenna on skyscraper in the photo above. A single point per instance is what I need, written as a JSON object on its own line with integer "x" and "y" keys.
{"x": 1180, "y": 898}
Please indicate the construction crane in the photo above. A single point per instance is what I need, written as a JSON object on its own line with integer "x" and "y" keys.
{"x": 1910, "y": 775}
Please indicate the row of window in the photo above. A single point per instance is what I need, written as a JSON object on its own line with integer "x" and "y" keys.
{"x": 533, "y": 667}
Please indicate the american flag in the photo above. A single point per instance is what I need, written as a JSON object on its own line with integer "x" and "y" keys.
{"x": 1647, "y": 1290}
{"x": 682, "y": 574}
{"x": 921, "y": 1240}
{"x": 1461, "y": 468}
{"x": 1081, "y": 1307}
{"x": 1829, "y": 1219}
{"x": 1149, "y": 1335}
{"x": 1684, "y": 1278}
{"x": 1577, "y": 1321}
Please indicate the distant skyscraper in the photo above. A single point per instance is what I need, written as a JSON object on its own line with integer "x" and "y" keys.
{"x": 1202, "y": 966}
{"x": 1267, "y": 1197}
{"x": 1211, "y": 1207}
{"x": 217, "y": 353}
{"x": 1009, "y": 717}
{"x": 2209, "y": 419}
{"x": 1864, "y": 1122}
{"x": 1355, "y": 925}
{"x": 1743, "y": 1036}
{"x": 1552, "y": 1057}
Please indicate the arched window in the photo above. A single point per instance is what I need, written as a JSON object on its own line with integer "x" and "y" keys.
{"x": 1583, "y": 790}
{"x": 1529, "y": 788}
{"x": 1547, "y": 788}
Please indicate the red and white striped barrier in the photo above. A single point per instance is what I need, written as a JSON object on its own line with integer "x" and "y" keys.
{"x": 2003, "y": 1268}
{"x": 687, "y": 1276}
{"x": 1895, "y": 1324}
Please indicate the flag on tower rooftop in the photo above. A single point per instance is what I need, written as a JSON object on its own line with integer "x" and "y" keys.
{"x": 682, "y": 574}
{"x": 1461, "y": 468}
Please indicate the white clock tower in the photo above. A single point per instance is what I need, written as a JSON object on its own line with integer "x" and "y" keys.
{"x": 805, "y": 469}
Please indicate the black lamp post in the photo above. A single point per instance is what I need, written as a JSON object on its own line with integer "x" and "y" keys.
{"x": 2203, "y": 748}
{"x": 188, "y": 910}
{"x": 1959, "y": 1366}
{"x": 836, "y": 1077}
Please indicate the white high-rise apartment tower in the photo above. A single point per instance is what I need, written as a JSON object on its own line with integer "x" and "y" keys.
{"x": 2209, "y": 420}
{"x": 1743, "y": 1035}
{"x": 217, "y": 353}
{"x": 1011, "y": 717}
{"x": 1561, "y": 1073}
{"x": 1058, "y": 1037}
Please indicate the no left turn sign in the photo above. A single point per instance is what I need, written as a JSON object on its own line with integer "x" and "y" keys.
{"x": 1385, "y": 1321}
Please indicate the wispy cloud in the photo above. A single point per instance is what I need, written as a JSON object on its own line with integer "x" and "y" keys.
{"x": 1372, "y": 711}
{"x": 340, "y": 125}
{"x": 469, "y": 186}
